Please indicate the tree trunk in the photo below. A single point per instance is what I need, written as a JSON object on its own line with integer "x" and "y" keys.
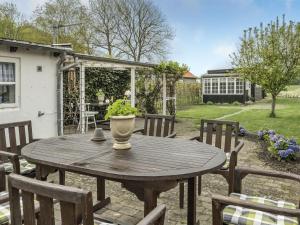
{"x": 273, "y": 106}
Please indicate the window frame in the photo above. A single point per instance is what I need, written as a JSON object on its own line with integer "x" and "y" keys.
{"x": 16, "y": 62}
{"x": 207, "y": 88}
{"x": 239, "y": 85}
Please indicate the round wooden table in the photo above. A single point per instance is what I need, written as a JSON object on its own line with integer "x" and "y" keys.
{"x": 153, "y": 164}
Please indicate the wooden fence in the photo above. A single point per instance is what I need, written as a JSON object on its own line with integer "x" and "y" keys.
{"x": 188, "y": 94}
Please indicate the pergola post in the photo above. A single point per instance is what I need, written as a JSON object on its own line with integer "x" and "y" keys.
{"x": 60, "y": 100}
{"x": 164, "y": 95}
{"x": 132, "y": 87}
{"x": 82, "y": 98}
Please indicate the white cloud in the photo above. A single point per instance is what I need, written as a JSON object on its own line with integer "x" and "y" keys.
{"x": 288, "y": 4}
{"x": 223, "y": 50}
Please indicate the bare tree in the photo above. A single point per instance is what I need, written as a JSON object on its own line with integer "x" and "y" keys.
{"x": 68, "y": 21}
{"x": 104, "y": 16}
{"x": 143, "y": 32}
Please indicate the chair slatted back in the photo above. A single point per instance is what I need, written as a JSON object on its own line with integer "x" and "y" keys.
{"x": 18, "y": 135}
{"x": 71, "y": 200}
{"x": 215, "y": 129}
{"x": 158, "y": 125}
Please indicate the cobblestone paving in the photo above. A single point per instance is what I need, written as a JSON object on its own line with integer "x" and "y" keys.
{"x": 127, "y": 209}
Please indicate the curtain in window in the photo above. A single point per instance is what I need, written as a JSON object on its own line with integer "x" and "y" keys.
{"x": 7, "y": 72}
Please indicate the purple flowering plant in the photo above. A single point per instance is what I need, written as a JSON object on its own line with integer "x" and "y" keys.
{"x": 281, "y": 147}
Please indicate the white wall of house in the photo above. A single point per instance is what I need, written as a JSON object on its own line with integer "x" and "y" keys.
{"x": 35, "y": 91}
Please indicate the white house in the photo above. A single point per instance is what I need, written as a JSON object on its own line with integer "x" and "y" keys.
{"x": 225, "y": 86}
{"x": 31, "y": 82}
{"x": 28, "y": 85}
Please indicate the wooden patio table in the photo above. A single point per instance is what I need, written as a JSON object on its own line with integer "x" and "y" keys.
{"x": 153, "y": 164}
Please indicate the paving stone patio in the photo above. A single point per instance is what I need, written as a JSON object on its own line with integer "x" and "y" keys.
{"x": 127, "y": 209}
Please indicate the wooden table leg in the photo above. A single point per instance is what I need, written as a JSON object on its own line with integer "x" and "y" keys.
{"x": 101, "y": 200}
{"x": 191, "y": 209}
{"x": 150, "y": 200}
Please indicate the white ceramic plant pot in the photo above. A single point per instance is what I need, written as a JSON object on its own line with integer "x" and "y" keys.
{"x": 121, "y": 130}
{"x": 101, "y": 98}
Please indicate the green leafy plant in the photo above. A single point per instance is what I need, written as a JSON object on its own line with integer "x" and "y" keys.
{"x": 236, "y": 103}
{"x": 100, "y": 93}
{"x": 113, "y": 83}
{"x": 209, "y": 103}
{"x": 120, "y": 107}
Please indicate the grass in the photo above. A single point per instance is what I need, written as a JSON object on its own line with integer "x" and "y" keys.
{"x": 287, "y": 121}
{"x": 198, "y": 112}
{"x": 255, "y": 117}
{"x": 292, "y": 91}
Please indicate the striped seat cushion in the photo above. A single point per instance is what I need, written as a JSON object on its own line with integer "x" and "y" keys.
{"x": 244, "y": 216}
{"x": 4, "y": 213}
{"x": 99, "y": 222}
{"x": 25, "y": 167}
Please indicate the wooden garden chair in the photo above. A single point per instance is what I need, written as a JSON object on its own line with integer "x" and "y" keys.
{"x": 158, "y": 125}
{"x": 15, "y": 145}
{"x": 214, "y": 130}
{"x": 4, "y": 195}
{"x": 245, "y": 209}
{"x": 76, "y": 205}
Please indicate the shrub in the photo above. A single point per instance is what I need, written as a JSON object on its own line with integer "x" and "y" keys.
{"x": 209, "y": 103}
{"x": 236, "y": 103}
{"x": 279, "y": 146}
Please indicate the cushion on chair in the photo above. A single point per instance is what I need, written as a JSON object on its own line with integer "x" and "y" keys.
{"x": 4, "y": 213}
{"x": 226, "y": 165}
{"x": 25, "y": 167}
{"x": 244, "y": 216}
{"x": 3, "y": 194}
{"x": 99, "y": 222}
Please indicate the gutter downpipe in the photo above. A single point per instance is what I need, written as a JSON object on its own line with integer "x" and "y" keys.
{"x": 59, "y": 91}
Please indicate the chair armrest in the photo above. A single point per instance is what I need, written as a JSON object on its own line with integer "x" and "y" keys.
{"x": 14, "y": 159}
{"x": 195, "y": 138}
{"x": 36, "y": 139}
{"x": 239, "y": 146}
{"x": 173, "y": 135}
{"x": 139, "y": 131}
{"x": 243, "y": 172}
{"x": 220, "y": 202}
{"x": 156, "y": 215}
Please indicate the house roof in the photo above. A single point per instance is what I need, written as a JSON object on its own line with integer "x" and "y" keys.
{"x": 220, "y": 73}
{"x": 69, "y": 51}
{"x": 33, "y": 45}
{"x": 189, "y": 75}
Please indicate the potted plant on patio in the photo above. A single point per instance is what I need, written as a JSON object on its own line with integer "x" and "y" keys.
{"x": 122, "y": 121}
{"x": 101, "y": 96}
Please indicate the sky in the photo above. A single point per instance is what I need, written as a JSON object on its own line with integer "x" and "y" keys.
{"x": 208, "y": 31}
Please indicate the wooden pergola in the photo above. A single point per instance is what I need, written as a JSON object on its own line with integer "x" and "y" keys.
{"x": 82, "y": 62}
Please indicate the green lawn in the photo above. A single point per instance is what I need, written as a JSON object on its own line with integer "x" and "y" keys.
{"x": 198, "y": 112}
{"x": 292, "y": 90}
{"x": 255, "y": 117}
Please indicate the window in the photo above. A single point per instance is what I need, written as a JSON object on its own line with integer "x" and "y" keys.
{"x": 239, "y": 86}
{"x": 7, "y": 83}
{"x": 207, "y": 86}
{"x": 223, "y": 87}
{"x": 230, "y": 85}
{"x": 215, "y": 85}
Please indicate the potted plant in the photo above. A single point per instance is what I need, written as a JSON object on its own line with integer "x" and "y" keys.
{"x": 101, "y": 96}
{"x": 122, "y": 121}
